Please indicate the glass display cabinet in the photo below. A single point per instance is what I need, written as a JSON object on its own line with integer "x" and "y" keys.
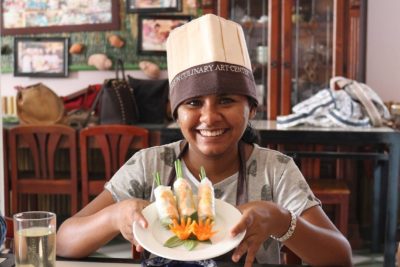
{"x": 253, "y": 16}
{"x": 295, "y": 46}
{"x": 312, "y": 46}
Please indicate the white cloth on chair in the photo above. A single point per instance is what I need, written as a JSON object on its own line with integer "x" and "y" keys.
{"x": 334, "y": 108}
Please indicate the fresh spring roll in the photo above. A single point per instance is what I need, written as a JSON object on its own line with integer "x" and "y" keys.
{"x": 166, "y": 205}
{"x": 165, "y": 202}
{"x": 184, "y": 198}
{"x": 206, "y": 203}
{"x": 184, "y": 194}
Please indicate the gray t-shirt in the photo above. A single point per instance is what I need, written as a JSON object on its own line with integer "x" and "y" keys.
{"x": 271, "y": 175}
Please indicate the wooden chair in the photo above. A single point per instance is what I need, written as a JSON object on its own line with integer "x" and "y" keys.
{"x": 36, "y": 152}
{"x": 9, "y": 242}
{"x": 334, "y": 192}
{"x": 6, "y": 174}
{"x": 288, "y": 257}
{"x": 135, "y": 255}
{"x": 114, "y": 142}
{"x": 329, "y": 192}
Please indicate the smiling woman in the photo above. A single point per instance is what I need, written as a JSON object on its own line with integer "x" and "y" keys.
{"x": 213, "y": 98}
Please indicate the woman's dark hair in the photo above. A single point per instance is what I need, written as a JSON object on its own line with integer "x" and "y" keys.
{"x": 251, "y": 135}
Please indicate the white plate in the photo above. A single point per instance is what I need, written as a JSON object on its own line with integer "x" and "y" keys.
{"x": 153, "y": 238}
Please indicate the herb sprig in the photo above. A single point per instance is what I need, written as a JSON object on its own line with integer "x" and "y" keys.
{"x": 178, "y": 168}
{"x": 202, "y": 173}
{"x": 157, "y": 178}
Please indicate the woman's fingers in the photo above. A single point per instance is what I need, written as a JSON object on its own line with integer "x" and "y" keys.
{"x": 132, "y": 211}
{"x": 139, "y": 248}
{"x": 138, "y": 216}
{"x": 250, "y": 246}
{"x": 249, "y": 260}
{"x": 140, "y": 219}
{"x": 251, "y": 251}
{"x": 128, "y": 236}
{"x": 242, "y": 225}
{"x": 240, "y": 251}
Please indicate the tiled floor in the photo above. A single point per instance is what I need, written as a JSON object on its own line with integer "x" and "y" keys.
{"x": 121, "y": 249}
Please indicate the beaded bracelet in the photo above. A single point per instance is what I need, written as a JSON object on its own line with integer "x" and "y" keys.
{"x": 290, "y": 231}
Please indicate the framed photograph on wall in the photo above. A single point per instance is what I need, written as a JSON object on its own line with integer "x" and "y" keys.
{"x": 32, "y": 17}
{"x": 154, "y": 31}
{"x": 41, "y": 57}
{"x": 153, "y": 6}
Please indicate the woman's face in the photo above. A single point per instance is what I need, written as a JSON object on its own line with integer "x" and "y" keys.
{"x": 214, "y": 124}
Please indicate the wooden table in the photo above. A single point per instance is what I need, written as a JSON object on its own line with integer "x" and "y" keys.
{"x": 111, "y": 262}
{"x": 107, "y": 262}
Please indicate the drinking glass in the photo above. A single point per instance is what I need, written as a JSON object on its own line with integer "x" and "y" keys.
{"x": 35, "y": 239}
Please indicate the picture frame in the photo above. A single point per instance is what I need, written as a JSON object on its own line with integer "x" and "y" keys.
{"x": 146, "y": 6}
{"x": 41, "y": 56}
{"x": 20, "y": 17}
{"x": 153, "y": 31}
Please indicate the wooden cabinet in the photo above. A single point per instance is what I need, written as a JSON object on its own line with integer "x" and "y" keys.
{"x": 296, "y": 46}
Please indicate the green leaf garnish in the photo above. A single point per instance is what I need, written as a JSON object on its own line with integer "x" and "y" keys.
{"x": 157, "y": 178}
{"x": 202, "y": 173}
{"x": 178, "y": 168}
{"x": 173, "y": 242}
{"x": 194, "y": 216}
{"x": 165, "y": 222}
{"x": 190, "y": 244}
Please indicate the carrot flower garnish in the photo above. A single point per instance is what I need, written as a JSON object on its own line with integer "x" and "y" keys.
{"x": 184, "y": 229}
{"x": 203, "y": 230}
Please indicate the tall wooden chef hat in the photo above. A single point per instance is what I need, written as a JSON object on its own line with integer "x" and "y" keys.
{"x": 208, "y": 56}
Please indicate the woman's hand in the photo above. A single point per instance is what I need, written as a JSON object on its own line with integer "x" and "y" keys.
{"x": 98, "y": 223}
{"x": 126, "y": 213}
{"x": 260, "y": 219}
